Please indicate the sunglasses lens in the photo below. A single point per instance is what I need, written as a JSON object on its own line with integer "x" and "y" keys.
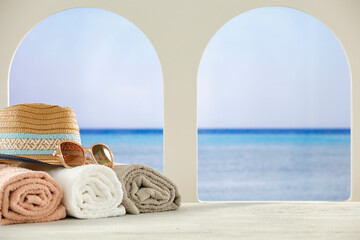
{"x": 102, "y": 154}
{"x": 72, "y": 153}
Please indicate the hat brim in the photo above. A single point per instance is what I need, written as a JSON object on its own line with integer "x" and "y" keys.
{"x": 41, "y": 159}
{"x": 12, "y": 163}
{"x": 46, "y": 159}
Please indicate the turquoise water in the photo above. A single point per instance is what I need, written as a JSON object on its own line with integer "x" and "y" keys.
{"x": 250, "y": 165}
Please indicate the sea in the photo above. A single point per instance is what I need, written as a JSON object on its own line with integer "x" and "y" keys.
{"x": 249, "y": 164}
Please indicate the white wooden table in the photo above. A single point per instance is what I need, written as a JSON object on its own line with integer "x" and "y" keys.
{"x": 248, "y": 220}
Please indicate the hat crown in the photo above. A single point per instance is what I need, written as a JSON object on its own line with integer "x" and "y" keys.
{"x": 38, "y": 118}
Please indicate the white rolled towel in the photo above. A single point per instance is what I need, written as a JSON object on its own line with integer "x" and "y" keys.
{"x": 90, "y": 191}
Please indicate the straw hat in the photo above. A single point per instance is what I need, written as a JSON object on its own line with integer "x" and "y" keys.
{"x": 34, "y": 130}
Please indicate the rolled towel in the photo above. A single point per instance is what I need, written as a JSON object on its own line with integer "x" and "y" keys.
{"x": 90, "y": 191}
{"x": 28, "y": 196}
{"x": 146, "y": 190}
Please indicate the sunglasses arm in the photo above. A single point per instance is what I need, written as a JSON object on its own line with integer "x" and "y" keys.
{"x": 56, "y": 152}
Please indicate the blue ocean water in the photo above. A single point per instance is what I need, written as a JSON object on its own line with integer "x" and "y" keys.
{"x": 249, "y": 165}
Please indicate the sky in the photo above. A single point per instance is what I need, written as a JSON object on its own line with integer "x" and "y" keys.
{"x": 94, "y": 61}
{"x": 270, "y": 67}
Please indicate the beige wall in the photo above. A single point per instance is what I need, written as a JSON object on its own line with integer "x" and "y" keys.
{"x": 180, "y": 31}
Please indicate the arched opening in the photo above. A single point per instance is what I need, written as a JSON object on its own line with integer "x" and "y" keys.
{"x": 274, "y": 110}
{"x": 106, "y": 69}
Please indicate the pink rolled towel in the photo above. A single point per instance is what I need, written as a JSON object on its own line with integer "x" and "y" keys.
{"x": 28, "y": 196}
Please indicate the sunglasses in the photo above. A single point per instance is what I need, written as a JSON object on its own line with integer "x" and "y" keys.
{"x": 73, "y": 154}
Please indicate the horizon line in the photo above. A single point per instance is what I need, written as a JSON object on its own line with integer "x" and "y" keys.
{"x": 219, "y": 130}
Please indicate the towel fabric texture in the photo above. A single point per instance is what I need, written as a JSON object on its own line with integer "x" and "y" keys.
{"x": 28, "y": 196}
{"x": 146, "y": 190}
{"x": 90, "y": 191}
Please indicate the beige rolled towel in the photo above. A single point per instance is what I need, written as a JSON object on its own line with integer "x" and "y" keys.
{"x": 28, "y": 196}
{"x": 146, "y": 190}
